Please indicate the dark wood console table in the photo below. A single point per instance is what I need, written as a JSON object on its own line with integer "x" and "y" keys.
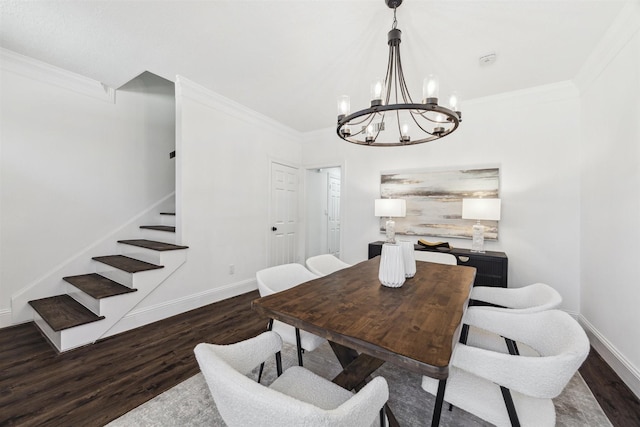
{"x": 491, "y": 267}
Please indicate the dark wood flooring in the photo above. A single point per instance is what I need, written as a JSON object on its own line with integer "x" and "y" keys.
{"x": 93, "y": 385}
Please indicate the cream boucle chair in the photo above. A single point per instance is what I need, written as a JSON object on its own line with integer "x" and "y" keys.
{"x": 323, "y": 265}
{"x": 478, "y": 377}
{"x": 296, "y": 398}
{"x": 437, "y": 257}
{"x": 280, "y": 278}
{"x": 527, "y": 299}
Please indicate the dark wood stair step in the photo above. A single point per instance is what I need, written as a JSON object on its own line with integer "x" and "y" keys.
{"x": 150, "y": 244}
{"x": 168, "y": 228}
{"x": 168, "y": 213}
{"x": 98, "y": 286}
{"x": 63, "y": 312}
{"x": 130, "y": 265}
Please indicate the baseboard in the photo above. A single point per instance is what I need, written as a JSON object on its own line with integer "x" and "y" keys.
{"x": 625, "y": 369}
{"x": 144, "y": 316}
{"x": 5, "y": 318}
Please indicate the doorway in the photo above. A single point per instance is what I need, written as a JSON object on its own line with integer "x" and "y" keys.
{"x": 323, "y": 212}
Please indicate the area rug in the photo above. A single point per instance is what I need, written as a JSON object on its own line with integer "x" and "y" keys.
{"x": 190, "y": 404}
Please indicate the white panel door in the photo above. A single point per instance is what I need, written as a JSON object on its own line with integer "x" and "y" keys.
{"x": 284, "y": 214}
{"x": 333, "y": 215}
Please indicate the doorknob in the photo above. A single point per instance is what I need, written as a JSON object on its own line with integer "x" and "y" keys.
{"x": 274, "y": 228}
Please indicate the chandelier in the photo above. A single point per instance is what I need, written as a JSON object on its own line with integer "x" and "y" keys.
{"x": 393, "y": 118}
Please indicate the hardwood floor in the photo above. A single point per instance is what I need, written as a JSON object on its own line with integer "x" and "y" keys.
{"x": 93, "y": 385}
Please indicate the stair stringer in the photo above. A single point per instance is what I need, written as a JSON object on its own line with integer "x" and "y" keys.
{"x": 116, "y": 307}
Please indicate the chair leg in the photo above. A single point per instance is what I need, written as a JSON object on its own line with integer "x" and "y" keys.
{"x": 512, "y": 347}
{"x": 464, "y": 334}
{"x": 299, "y": 345}
{"x": 269, "y": 327}
{"x": 278, "y": 364}
{"x": 511, "y": 409}
{"x": 382, "y": 423}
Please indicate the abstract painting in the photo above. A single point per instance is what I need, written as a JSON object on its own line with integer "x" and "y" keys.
{"x": 434, "y": 200}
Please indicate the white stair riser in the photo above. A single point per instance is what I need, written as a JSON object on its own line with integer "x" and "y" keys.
{"x": 52, "y": 335}
{"x": 149, "y": 255}
{"x": 168, "y": 220}
{"x": 83, "y": 298}
{"x": 158, "y": 236}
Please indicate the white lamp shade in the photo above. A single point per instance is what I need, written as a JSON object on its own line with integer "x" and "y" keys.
{"x": 390, "y": 207}
{"x": 481, "y": 209}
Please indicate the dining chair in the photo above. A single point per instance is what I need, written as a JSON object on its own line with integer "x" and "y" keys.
{"x": 298, "y": 397}
{"x": 437, "y": 257}
{"x": 506, "y": 389}
{"x": 527, "y": 299}
{"x": 280, "y": 278}
{"x": 325, "y": 264}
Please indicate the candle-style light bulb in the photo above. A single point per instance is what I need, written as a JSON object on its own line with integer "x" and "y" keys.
{"x": 404, "y": 132}
{"x": 454, "y": 102}
{"x": 377, "y": 90}
{"x": 344, "y": 106}
{"x": 370, "y": 131}
{"x": 430, "y": 88}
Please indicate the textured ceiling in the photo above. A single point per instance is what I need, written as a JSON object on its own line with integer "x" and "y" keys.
{"x": 290, "y": 59}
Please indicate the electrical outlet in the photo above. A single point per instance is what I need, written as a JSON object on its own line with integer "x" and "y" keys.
{"x": 232, "y": 269}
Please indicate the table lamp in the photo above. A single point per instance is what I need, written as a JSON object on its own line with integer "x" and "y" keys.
{"x": 480, "y": 209}
{"x": 390, "y": 208}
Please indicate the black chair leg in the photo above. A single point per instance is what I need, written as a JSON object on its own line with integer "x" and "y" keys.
{"x": 512, "y": 347}
{"x": 269, "y": 327}
{"x": 382, "y": 423}
{"x": 511, "y": 408}
{"x": 278, "y": 364}
{"x": 299, "y": 345}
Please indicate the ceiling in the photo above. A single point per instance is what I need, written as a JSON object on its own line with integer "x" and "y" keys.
{"x": 290, "y": 59}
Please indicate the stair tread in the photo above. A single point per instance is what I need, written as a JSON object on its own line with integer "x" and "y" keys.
{"x": 125, "y": 263}
{"x": 63, "y": 312}
{"x": 169, "y": 228}
{"x": 97, "y": 286}
{"x": 150, "y": 244}
{"x": 168, "y": 213}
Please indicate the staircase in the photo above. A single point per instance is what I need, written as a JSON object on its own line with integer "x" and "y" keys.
{"x": 94, "y": 302}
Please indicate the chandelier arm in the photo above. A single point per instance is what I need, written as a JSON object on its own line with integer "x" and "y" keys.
{"x": 403, "y": 83}
{"x": 389, "y": 75}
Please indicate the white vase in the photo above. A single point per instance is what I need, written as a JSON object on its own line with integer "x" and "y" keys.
{"x": 409, "y": 258}
{"x": 391, "y": 271}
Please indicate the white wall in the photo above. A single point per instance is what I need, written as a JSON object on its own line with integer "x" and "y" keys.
{"x": 610, "y": 198}
{"x": 533, "y": 136}
{"x": 223, "y": 154}
{"x": 74, "y": 164}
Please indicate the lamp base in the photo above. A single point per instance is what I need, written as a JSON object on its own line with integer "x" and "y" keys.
{"x": 390, "y": 227}
{"x": 477, "y": 244}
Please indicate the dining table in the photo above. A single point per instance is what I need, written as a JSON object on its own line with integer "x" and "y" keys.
{"x": 414, "y": 326}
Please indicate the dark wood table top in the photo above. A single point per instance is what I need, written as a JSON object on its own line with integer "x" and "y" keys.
{"x": 414, "y": 326}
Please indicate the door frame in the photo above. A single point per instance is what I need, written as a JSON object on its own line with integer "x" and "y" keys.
{"x": 343, "y": 173}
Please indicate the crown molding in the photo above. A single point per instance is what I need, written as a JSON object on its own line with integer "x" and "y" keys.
{"x": 41, "y": 71}
{"x": 205, "y": 96}
{"x": 622, "y": 31}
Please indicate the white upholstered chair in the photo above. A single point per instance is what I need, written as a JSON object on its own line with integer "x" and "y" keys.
{"x": 296, "y": 398}
{"x": 437, "y": 257}
{"x": 325, "y": 264}
{"x": 481, "y": 381}
{"x": 527, "y": 299}
{"x": 280, "y": 278}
